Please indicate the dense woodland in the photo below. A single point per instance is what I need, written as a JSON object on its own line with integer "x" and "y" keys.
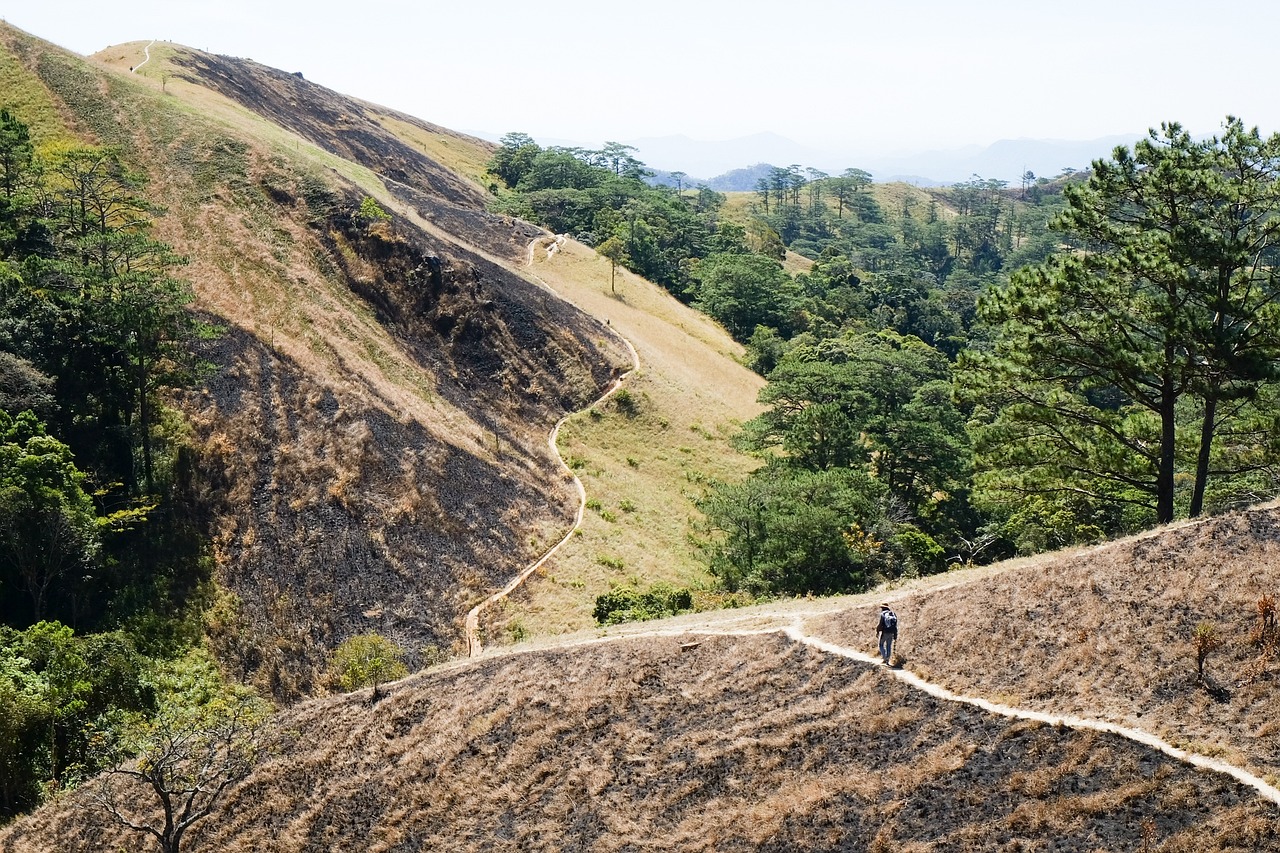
{"x": 103, "y": 562}
{"x": 974, "y": 372}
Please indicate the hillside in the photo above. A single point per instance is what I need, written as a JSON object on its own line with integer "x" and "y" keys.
{"x": 373, "y": 440}
{"x": 643, "y": 464}
{"x": 719, "y": 732}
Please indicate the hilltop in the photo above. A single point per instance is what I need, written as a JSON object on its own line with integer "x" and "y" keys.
{"x": 377, "y": 421}
{"x": 373, "y": 440}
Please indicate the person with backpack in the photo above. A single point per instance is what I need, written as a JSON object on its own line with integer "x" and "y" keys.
{"x": 887, "y": 632}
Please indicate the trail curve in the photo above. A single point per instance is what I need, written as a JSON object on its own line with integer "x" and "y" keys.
{"x": 472, "y": 623}
{"x": 1244, "y": 777}
{"x": 146, "y": 53}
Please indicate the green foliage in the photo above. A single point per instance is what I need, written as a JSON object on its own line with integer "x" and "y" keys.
{"x": 783, "y": 530}
{"x": 95, "y": 329}
{"x": 67, "y": 703}
{"x": 744, "y": 291}
{"x": 48, "y": 532}
{"x": 624, "y": 401}
{"x": 627, "y": 604}
{"x": 600, "y": 198}
{"x": 881, "y": 402}
{"x": 918, "y": 551}
{"x": 370, "y": 211}
{"x": 1113, "y": 364}
{"x": 366, "y": 660}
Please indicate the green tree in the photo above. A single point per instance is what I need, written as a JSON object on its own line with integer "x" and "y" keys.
{"x": 513, "y": 160}
{"x": 1167, "y": 310}
{"x": 367, "y": 660}
{"x": 877, "y": 401}
{"x": 743, "y": 291}
{"x": 115, "y": 283}
{"x": 784, "y": 531}
{"x": 18, "y": 176}
{"x": 48, "y": 526}
{"x": 615, "y": 250}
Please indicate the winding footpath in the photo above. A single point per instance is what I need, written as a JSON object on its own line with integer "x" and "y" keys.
{"x": 472, "y": 623}
{"x": 1244, "y": 777}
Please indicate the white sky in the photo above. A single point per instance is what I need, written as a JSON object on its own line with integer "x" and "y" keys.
{"x": 868, "y": 77}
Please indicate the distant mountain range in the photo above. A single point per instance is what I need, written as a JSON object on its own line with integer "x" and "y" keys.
{"x": 734, "y": 164}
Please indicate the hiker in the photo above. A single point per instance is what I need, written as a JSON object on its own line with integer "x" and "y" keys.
{"x": 887, "y": 632}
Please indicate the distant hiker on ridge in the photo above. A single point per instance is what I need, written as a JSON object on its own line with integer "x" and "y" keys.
{"x": 887, "y": 632}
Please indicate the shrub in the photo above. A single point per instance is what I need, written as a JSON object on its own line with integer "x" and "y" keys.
{"x": 371, "y": 211}
{"x": 1204, "y": 640}
{"x": 625, "y": 401}
{"x": 626, "y": 604}
{"x": 367, "y": 660}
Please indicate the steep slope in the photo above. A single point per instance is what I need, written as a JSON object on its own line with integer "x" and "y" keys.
{"x": 373, "y": 442}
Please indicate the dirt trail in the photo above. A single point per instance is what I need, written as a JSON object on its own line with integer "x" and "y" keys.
{"x": 472, "y": 623}
{"x": 146, "y": 53}
{"x": 1265, "y": 790}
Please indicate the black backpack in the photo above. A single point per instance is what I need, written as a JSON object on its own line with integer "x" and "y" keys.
{"x": 889, "y": 620}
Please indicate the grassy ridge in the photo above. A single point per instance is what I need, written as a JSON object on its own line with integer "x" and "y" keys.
{"x": 1108, "y": 632}
{"x": 735, "y": 743}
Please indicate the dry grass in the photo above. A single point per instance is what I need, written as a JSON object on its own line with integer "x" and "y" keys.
{"x": 642, "y": 466}
{"x": 462, "y": 154}
{"x": 737, "y": 744}
{"x": 374, "y": 439}
{"x": 1109, "y": 633}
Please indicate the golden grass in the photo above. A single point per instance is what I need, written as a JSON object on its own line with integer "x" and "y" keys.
{"x": 644, "y": 469}
{"x": 462, "y": 154}
{"x": 24, "y": 96}
{"x": 738, "y": 744}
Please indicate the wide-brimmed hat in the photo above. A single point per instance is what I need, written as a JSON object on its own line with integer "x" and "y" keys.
{"x": 884, "y": 606}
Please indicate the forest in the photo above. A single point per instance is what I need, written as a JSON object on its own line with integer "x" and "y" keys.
{"x": 968, "y": 373}
{"x": 104, "y": 563}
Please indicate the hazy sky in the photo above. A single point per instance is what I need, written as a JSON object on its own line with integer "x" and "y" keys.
{"x": 864, "y": 77}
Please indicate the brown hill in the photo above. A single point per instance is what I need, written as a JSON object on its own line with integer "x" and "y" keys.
{"x": 375, "y": 458}
{"x": 374, "y": 441}
{"x": 1108, "y": 633}
{"x": 689, "y": 743}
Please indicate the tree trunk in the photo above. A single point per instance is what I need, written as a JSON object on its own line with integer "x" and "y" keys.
{"x": 144, "y": 425}
{"x": 1164, "y": 476}
{"x": 1202, "y": 458}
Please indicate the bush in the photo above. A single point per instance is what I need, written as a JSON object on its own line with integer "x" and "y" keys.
{"x": 625, "y": 402}
{"x": 366, "y": 660}
{"x": 626, "y": 604}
